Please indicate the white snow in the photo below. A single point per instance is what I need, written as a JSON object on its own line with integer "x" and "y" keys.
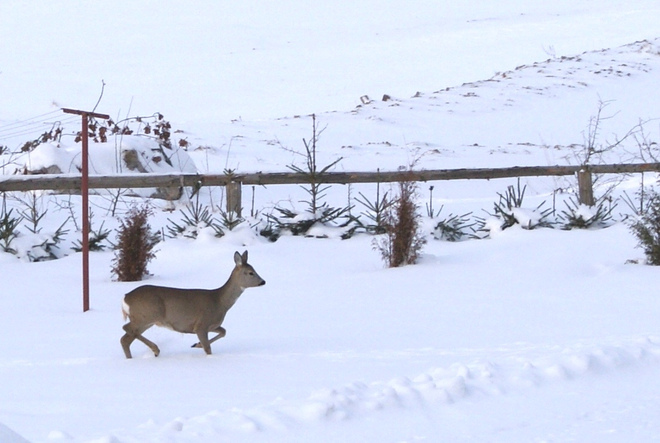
{"x": 530, "y": 335}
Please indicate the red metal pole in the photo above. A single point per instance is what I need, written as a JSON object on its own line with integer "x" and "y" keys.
{"x": 85, "y": 211}
{"x": 85, "y": 196}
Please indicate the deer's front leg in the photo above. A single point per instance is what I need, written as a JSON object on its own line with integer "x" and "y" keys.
{"x": 219, "y": 330}
{"x": 203, "y": 337}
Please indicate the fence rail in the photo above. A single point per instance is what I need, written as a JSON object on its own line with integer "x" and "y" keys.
{"x": 62, "y": 182}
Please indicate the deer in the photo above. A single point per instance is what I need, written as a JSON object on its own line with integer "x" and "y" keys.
{"x": 190, "y": 311}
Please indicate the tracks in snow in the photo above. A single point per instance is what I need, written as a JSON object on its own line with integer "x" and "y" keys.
{"x": 516, "y": 371}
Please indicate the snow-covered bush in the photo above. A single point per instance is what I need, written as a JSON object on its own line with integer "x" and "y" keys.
{"x": 302, "y": 223}
{"x": 453, "y": 227}
{"x": 97, "y": 237}
{"x": 508, "y": 211}
{"x": 139, "y": 144}
{"x": 34, "y": 243}
{"x": 646, "y": 228}
{"x": 194, "y": 218}
{"x": 41, "y": 246}
{"x": 581, "y": 216}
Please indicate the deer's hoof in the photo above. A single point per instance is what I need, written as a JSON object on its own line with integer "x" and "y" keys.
{"x": 197, "y": 345}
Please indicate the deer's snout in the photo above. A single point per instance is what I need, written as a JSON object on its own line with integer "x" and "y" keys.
{"x": 263, "y": 282}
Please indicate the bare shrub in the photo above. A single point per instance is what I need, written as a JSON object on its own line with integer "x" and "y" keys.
{"x": 403, "y": 240}
{"x": 135, "y": 246}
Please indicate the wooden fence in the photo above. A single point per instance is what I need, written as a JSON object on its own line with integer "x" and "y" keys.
{"x": 64, "y": 182}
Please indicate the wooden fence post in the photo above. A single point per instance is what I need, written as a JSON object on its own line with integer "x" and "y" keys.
{"x": 585, "y": 187}
{"x": 233, "y": 191}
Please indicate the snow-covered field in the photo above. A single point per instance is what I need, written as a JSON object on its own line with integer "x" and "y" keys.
{"x": 541, "y": 335}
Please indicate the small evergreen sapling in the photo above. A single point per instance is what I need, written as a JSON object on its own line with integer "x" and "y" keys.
{"x": 97, "y": 237}
{"x": 8, "y": 227}
{"x": 318, "y": 212}
{"x": 376, "y": 211}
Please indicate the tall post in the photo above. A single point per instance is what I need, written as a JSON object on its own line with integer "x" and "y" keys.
{"x": 84, "y": 187}
{"x": 585, "y": 187}
{"x": 84, "y": 190}
{"x": 233, "y": 190}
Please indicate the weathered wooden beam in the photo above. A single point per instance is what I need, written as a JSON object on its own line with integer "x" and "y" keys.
{"x": 58, "y": 182}
{"x": 63, "y": 182}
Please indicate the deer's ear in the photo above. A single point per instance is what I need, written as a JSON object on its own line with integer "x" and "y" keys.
{"x": 245, "y": 257}
{"x": 238, "y": 259}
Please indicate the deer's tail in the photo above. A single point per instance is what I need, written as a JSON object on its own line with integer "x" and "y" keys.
{"x": 125, "y": 310}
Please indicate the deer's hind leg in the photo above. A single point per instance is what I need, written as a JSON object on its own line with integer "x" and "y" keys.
{"x": 133, "y": 333}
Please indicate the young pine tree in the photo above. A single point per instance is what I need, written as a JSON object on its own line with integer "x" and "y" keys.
{"x": 647, "y": 231}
